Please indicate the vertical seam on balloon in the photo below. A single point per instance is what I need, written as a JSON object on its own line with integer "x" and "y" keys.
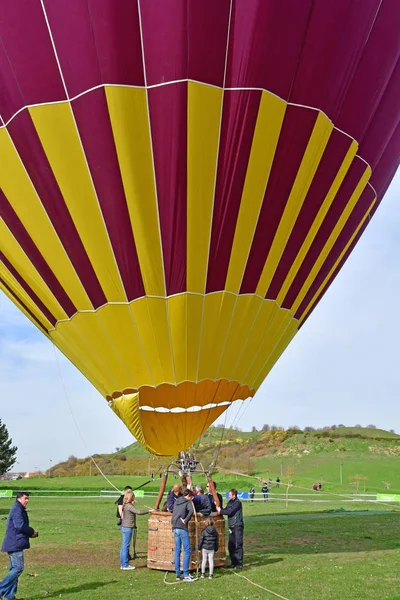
{"x": 151, "y": 141}
{"x": 49, "y": 220}
{"x": 151, "y": 145}
{"x": 215, "y": 182}
{"x": 83, "y": 153}
{"x": 155, "y": 186}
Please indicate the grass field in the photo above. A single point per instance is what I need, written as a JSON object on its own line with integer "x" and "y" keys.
{"x": 298, "y": 554}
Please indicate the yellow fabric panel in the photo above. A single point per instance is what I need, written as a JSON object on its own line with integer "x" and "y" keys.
{"x": 194, "y": 315}
{"x": 204, "y": 114}
{"x": 58, "y": 134}
{"x": 93, "y": 360}
{"x": 332, "y": 238}
{"x": 318, "y": 221}
{"x": 89, "y": 326}
{"x": 284, "y": 341}
{"x": 244, "y": 315}
{"x": 151, "y": 319}
{"x": 22, "y": 297}
{"x": 266, "y": 135}
{"x": 253, "y": 339}
{"x": 20, "y": 261}
{"x": 327, "y": 278}
{"x": 217, "y": 315}
{"x": 130, "y": 125}
{"x": 312, "y": 156}
{"x": 127, "y": 409}
{"x": 118, "y": 322}
{"x": 177, "y": 311}
{"x": 84, "y": 362}
{"x": 271, "y": 338}
{"x": 22, "y": 196}
{"x": 169, "y": 433}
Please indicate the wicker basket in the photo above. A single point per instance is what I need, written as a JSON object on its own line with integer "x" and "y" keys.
{"x": 160, "y": 554}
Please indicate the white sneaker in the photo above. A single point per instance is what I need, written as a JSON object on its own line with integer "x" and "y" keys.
{"x": 128, "y": 568}
{"x": 188, "y": 578}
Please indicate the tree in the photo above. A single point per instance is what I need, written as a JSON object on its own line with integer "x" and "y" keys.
{"x": 254, "y": 429}
{"x": 7, "y": 451}
{"x": 265, "y": 427}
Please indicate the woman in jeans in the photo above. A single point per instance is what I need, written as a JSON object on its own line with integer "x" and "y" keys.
{"x": 128, "y": 524}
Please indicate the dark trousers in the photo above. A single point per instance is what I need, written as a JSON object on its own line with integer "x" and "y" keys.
{"x": 235, "y": 545}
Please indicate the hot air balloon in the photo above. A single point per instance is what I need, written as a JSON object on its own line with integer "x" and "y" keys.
{"x": 182, "y": 180}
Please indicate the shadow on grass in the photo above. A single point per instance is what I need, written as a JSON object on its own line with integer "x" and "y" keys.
{"x": 85, "y": 587}
{"x": 258, "y": 559}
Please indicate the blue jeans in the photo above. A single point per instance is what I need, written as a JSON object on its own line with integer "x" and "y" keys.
{"x": 8, "y": 587}
{"x": 181, "y": 537}
{"x": 126, "y": 542}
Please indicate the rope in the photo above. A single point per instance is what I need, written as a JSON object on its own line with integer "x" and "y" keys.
{"x": 76, "y": 424}
{"x": 261, "y": 587}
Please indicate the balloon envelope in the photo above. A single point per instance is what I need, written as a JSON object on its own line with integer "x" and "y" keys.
{"x": 181, "y": 181}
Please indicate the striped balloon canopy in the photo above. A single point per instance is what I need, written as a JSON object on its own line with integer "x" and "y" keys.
{"x": 182, "y": 180}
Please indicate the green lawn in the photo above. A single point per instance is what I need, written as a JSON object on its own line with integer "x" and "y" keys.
{"x": 296, "y": 553}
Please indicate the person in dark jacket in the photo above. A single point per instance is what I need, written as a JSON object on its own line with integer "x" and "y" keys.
{"x": 208, "y": 544}
{"x": 209, "y": 494}
{"x": 252, "y": 492}
{"x": 182, "y": 513}
{"x": 264, "y": 491}
{"x": 234, "y": 513}
{"x": 16, "y": 540}
{"x": 201, "y": 501}
{"x": 172, "y": 496}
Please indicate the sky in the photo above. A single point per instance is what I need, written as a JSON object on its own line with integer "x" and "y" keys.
{"x": 342, "y": 367}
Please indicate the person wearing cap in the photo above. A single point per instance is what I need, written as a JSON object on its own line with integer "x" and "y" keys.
{"x": 234, "y": 513}
{"x": 182, "y": 513}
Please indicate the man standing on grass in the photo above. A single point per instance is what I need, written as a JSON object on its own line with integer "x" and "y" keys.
{"x": 182, "y": 513}
{"x": 234, "y": 513}
{"x": 16, "y": 540}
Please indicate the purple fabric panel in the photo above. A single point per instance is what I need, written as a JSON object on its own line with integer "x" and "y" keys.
{"x": 95, "y": 131}
{"x": 38, "y": 323}
{"x": 347, "y": 188}
{"x": 264, "y": 43}
{"x": 27, "y": 43}
{"x": 13, "y": 223}
{"x": 373, "y": 73}
{"x": 117, "y": 36}
{"x": 384, "y": 123}
{"x": 11, "y": 98}
{"x": 208, "y": 36}
{"x": 328, "y": 168}
{"x": 387, "y": 166}
{"x": 238, "y": 122}
{"x": 164, "y": 30}
{"x": 295, "y": 135}
{"x": 72, "y": 32}
{"x": 350, "y": 227}
{"x": 168, "y": 119}
{"x": 30, "y": 150}
{"x": 28, "y": 290}
{"x": 336, "y": 36}
{"x": 338, "y": 268}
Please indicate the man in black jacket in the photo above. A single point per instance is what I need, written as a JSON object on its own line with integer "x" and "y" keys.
{"x": 182, "y": 513}
{"x": 234, "y": 513}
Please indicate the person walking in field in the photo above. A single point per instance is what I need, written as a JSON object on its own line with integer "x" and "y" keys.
{"x": 128, "y": 528}
{"x": 16, "y": 540}
{"x": 208, "y": 544}
{"x": 252, "y": 492}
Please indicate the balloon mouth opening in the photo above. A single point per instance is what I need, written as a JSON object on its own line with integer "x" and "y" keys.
{"x": 186, "y": 396}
